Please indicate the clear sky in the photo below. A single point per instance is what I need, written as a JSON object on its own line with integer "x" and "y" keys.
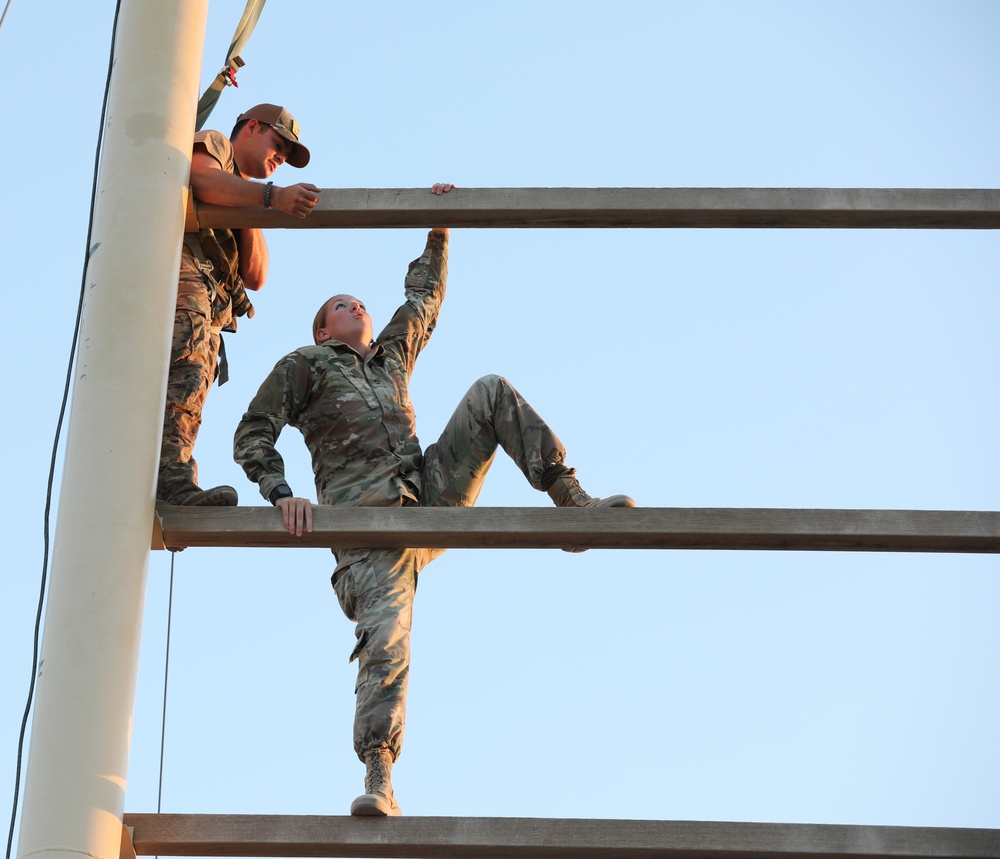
{"x": 713, "y": 368}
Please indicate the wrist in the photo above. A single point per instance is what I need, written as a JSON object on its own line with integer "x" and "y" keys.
{"x": 279, "y": 492}
{"x": 268, "y": 188}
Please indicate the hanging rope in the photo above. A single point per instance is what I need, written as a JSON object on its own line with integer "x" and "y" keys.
{"x": 227, "y": 77}
{"x": 166, "y": 676}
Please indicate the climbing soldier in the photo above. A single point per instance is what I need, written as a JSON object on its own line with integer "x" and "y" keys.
{"x": 217, "y": 267}
{"x": 347, "y": 395}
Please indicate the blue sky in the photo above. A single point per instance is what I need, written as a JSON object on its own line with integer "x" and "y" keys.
{"x": 720, "y": 368}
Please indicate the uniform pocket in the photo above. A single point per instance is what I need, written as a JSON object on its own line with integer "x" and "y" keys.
{"x": 362, "y": 387}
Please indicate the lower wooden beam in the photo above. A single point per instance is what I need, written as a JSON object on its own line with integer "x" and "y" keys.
{"x": 554, "y": 528}
{"x": 851, "y": 208}
{"x": 473, "y": 837}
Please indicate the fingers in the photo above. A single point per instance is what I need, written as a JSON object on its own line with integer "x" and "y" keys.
{"x": 298, "y": 200}
{"x": 296, "y": 515}
{"x": 440, "y": 188}
{"x": 306, "y": 198}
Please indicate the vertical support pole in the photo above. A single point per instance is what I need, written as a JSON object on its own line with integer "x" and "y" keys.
{"x": 74, "y": 794}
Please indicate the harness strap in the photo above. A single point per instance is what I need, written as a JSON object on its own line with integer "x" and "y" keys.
{"x": 193, "y": 241}
{"x": 227, "y": 76}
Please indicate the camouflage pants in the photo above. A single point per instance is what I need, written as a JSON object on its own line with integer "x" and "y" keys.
{"x": 194, "y": 356}
{"x": 376, "y": 587}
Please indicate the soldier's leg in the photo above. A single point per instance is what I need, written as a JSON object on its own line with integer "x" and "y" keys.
{"x": 492, "y": 413}
{"x": 189, "y": 378}
{"x": 376, "y": 590}
{"x": 194, "y": 357}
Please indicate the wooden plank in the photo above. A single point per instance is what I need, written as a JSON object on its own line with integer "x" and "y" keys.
{"x": 539, "y": 838}
{"x": 555, "y": 528}
{"x": 854, "y": 208}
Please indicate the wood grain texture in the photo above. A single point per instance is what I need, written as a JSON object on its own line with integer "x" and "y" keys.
{"x": 555, "y": 528}
{"x": 847, "y": 208}
{"x": 539, "y": 838}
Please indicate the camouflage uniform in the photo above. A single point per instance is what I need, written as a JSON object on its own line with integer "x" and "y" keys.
{"x": 204, "y": 309}
{"x": 358, "y": 423}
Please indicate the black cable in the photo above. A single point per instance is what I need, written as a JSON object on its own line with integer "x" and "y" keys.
{"x": 166, "y": 676}
{"x": 58, "y": 434}
{"x": 3, "y": 17}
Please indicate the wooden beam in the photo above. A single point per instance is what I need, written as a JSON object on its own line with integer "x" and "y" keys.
{"x": 452, "y": 837}
{"x": 853, "y": 208}
{"x": 555, "y": 528}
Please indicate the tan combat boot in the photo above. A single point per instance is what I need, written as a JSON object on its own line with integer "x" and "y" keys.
{"x": 378, "y": 799}
{"x": 217, "y": 496}
{"x": 567, "y": 492}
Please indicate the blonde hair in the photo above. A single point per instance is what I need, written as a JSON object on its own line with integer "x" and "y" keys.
{"x": 319, "y": 321}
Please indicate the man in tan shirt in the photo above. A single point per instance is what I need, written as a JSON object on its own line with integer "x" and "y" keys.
{"x": 217, "y": 267}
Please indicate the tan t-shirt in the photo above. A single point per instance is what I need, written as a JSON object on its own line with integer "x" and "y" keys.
{"x": 219, "y": 246}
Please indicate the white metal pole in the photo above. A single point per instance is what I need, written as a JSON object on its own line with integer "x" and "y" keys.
{"x": 77, "y": 763}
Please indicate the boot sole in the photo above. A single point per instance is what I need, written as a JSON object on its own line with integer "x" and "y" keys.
{"x": 369, "y": 805}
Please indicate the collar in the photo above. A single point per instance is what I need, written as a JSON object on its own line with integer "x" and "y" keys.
{"x": 376, "y": 347}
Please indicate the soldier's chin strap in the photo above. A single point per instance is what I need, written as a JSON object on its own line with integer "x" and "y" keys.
{"x": 227, "y": 76}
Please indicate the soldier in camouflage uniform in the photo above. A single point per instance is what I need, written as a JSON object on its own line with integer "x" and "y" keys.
{"x": 348, "y": 396}
{"x": 217, "y": 267}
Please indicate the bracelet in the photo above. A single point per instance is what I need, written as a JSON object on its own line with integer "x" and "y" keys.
{"x": 267, "y": 195}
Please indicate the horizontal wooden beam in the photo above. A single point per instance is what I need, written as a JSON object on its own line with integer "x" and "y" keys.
{"x": 557, "y": 528}
{"x": 852, "y": 208}
{"x": 539, "y": 838}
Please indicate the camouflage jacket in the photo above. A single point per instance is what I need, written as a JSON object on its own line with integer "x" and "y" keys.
{"x": 355, "y": 414}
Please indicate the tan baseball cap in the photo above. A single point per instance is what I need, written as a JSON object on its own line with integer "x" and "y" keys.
{"x": 284, "y": 123}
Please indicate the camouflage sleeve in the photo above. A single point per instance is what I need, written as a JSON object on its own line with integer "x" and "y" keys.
{"x": 425, "y": 284}
{"x": 427, "y": 276}
{"x": 275, "y": 405}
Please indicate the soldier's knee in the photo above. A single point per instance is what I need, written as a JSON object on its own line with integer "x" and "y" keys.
{"x": 491, "y": 380}
{"x": 488, "y": 386}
